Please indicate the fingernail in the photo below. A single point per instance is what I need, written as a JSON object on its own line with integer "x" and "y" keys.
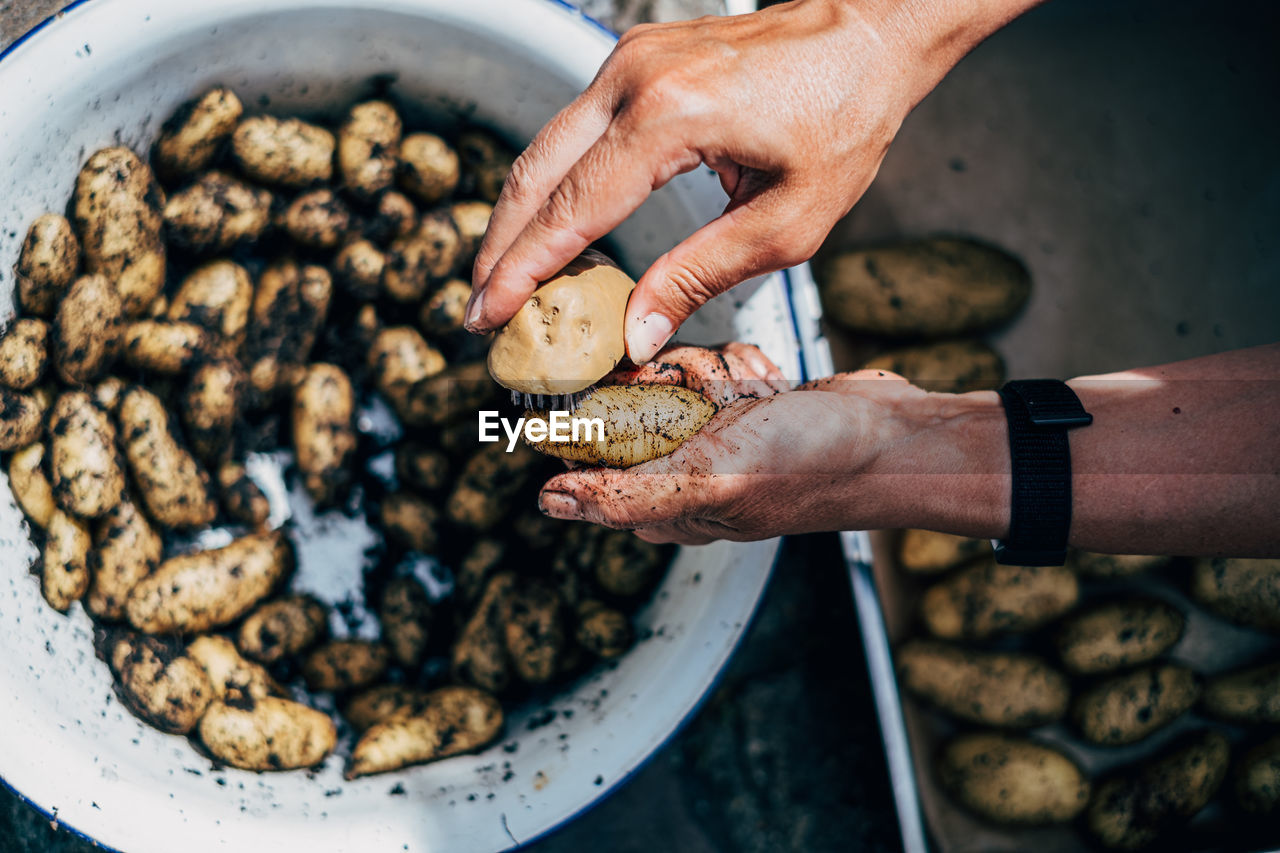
{"x": 647, "y": 337}
{"x": 475, "y": 307}
{"x": 559, "y": 505}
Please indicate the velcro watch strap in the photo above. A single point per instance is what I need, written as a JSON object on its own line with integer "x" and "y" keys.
{"x": 1040, "y": 411}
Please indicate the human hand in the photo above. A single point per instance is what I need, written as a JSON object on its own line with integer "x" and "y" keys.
{"x": 724, "y": 374}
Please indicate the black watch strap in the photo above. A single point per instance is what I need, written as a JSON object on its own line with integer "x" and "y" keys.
{"x": 1040, "y": 411}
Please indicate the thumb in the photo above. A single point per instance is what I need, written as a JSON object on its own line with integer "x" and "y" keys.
{"x": 624, "y": 499}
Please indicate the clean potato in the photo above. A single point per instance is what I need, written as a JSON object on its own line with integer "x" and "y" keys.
{"x": 1126, "y": 708}
{"x": 282, "y": 628}
{"x": 64, "y": 573}
{"x": 174, "y": 488}
{"x": 999, "y": 689}
{"x": 345, "y": 665}
{"x": 30, "y": 485}
{"x": 48, "y": 263}
{"x": 194, "y": 593}
{"x": 1250, "y": 695}
{"x": 1257, "y": 781}
{"x": 368, "y": 148}
{"x": 217, "y": 213}
{"x": 270, "y": 733}
{"x": 948, "y": 367}
{"x": 217, "y": 297}
{"x": 405, "y": 616}
{"x": 428, "y": 168}
{"x": 1118, "y": 634}
{"x": 21, "y": 419}
{"x": 1246, "y": 592}
{"x": 324, "y": 431}
{"x": 989, "y": 598}
{"x": 86, "y": 474}
{"x": 1010, "y": 780}
{"x": 126, "y": 549}
{"x": 86, "y": 329}
{"x": 283, "y": 152}
{"x": 24, "y": 353}
{"x": 927, "y": 552}
{"x": 192, "y": 137}
{"x": 454, "y": 720}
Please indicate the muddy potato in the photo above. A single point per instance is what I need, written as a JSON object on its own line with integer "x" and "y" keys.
{"x": 164, "y": 346}
{"x": 1118, "y": 634}
{"x": 405, "y": 617}
{"x": 1249, "y": 695}
{"x": 1257, "y": 778}
{"x": 368, "y": 144}
{"x": 86, "y": 329}
{"x": 382, "y": 703}
{"x": 21, "y": 419}
{"x": 411, "y": 521}
{"x": 217, "y": 213}
{"x": 455, "y": 393}
{"x": 126, "y": 549}
{"x": 216, "y": 296}
{"x": 454, "y": 720}
{"x": 950, "y": 367}
{"x": 395, "y": 216}
{"x": 118, "y": 211}
{"x": 489, "y": 481}
{"x": 399, "y": 357}
{"x": 627, "y": 566}
{"x": 282, "y": 628}
{"x": 1126, "y": 708}
{"x": 194, "y": 593}
{"x": 47, "y": 264}
{"x": 1009, "y": 780}
{"x": 191, "y": 137}
{"x": 230, "y": 674}
{"x": 358, "y": 269}
{"x": 324, "y": 433}
{"x": 421, "y": 260}
{"x": 85, "y": 469}
{"x": 535, "y": 531}
{"x": 988, "y": 598}
{"x": 603, "y": 630}
{"x": 160, "y": 684}
{"x": 443, "y": 312}
{"x": 1135, "y": 808}
{"x": 476, "y": 567}
{"x": 210, "y": 406}
{"x": 289, "y": 307}
{"x": 486, "y": 161}
{"x": 934, "y": 288}
{"x": 108, "y": 393}
{"x": 318, "y": 220}
{"x": 533, "y": 632}
{"x": 1114, "y": 565}
{"x": 174, "y": 488}
{"x": 428, "y": 168}
{"x": 1246, "y": 592}
{"x": 64, "y": 568}
{"x": 30, "y": 485}
{"x": 241, "y": 497}
{"x": 24, "y": 353}
{"x": 421, "y": 467}
{"x": 568, "y": 334}
{"x": 480, "y": 653}
{"x": 471, "y": 218}
{"x": 264, "y": 734}
{"x": 283, "y": 152}
{"x": 926, "y": 552}
{"x": 345, "y": 665}
{"x": 998, "y": 689}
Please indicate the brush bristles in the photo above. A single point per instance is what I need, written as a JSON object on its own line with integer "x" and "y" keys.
{"x": 550, "y": 402}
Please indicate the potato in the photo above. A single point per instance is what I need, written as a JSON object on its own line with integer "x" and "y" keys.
{"x": 21, "y": 419}
{"x": 160, "y": 684}
{"x": 395, "y": 216}
{"x": 602, "y": 630}
{"x": 568, "y": 334}
{"x": 87, "y": 478}
{"x": 217, "y": 213}
{"x": 489, "y": 481}
{"x": 411, "y": 521}
{"x": 345, "y": 665}
{"x": 283, "y": 628}
{"x": 487, "y": 163}
{"x": 936, "y": 288}
{"x": 318, "y": 220}
{"x": 324, "y": 434}
{"x": 399, "y": 357}
{"x": 368, "y": 145}
{"x": 421, "y": 260}
{"x": 476, "y": 567}
{"x": 533, "y": 632}
{"x": 1250, "y": 695}
{"x": 1118, "y": 634}
{"x": 24, "y": 353}
{"x": 535, "y": 531}
{"x": 577, "y": 565}
{"x": 405, "y": 616}
{"x": 1134, "y": 809}
{"x": 454, "y": 720}
{"x": 86, "y": 329}
{"x": 108, "y": 393}
{"x": 267, "y": 734}
{"x": 1126, "y": 708}
{"x": 30, "y": 485}
{"x": 988, "y": 598}
{"x": 283, "y": 152}
{"x": 1246, "y": 592}
{"x": 191, "y": 138}
{"x": 48, "y": 263}
{"x": 194, "y": 593}
{"x": 471, "y": 218}
{"x": 926, "y": 552}
{"x": 174, "y": 488}
{"x": 999, "y": 689}
{"x": 164, "y": 346}
{"x": 455, "y": 393}
{"x": 428, "y": 168}
{"x": 382, "y": 703}
{"x": 216, "y": 296}
{"x": 950, "y": 367}
{"x": 241, "y": 497}
{"x": 118, "y": 211}
{"x": 421, "y": 467}
{"x": 1258, "y": 778}
{"x": 210, "y": 407}
{"x": 358, "y": 269}
{"x": 480, "y": 653}
{"x": 126, "y": 549}
{"x": 65, "y": 564}
{"x": 1009, "y": 780}
{"x": 1114, "y": 565}
{"x": 289, "y": 307}
{"x": 442, "y": 314}
{"x": 229, "y": 674}
{"x": 626, "y": 565}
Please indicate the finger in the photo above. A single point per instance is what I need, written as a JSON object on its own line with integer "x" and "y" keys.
{"x": 626, "y": 499}
{"x": 673, "y": 534}
{"x": 761, "y": 365}
{"x": 657, "y": 372}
